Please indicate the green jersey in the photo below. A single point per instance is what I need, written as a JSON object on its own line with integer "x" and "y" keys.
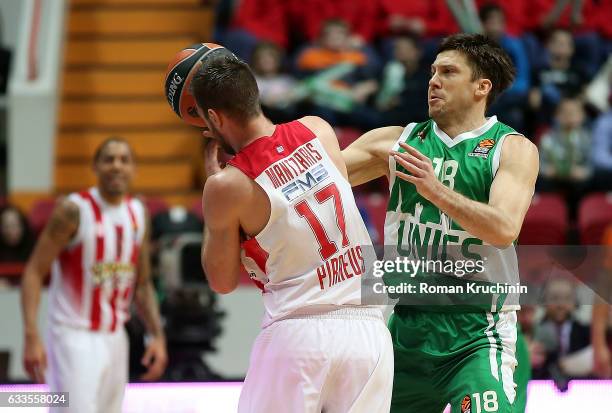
{"x": 417, "y": 229}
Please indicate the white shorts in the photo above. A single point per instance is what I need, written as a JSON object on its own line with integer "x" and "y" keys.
{"x": 337, "y": 362}
{"x": 91, "y": 366}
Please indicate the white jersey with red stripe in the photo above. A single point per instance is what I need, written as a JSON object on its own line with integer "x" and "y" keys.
{"x": 311, "y": 251}
{"x": 93, "y": 278}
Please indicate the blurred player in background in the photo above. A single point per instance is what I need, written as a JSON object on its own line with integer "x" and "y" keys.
{"x": 284, "y": 206}
{"x": 464, "y": 180}
{"x": 96, "y": 245}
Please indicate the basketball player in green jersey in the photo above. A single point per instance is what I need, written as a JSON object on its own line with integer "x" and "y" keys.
{"x": 457, "y": 179}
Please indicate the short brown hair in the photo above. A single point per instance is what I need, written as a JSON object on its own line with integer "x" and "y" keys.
{"x": 226, "y": 83}
{"x": 486, "y": 58}
{"x": 113, "y": 139}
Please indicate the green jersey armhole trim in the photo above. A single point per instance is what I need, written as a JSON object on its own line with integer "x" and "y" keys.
{"x": 498, "y": 150}
{"x": 403, "y": 136}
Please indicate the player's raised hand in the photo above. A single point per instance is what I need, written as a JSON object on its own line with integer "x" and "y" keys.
{"x": 421, "y": 171}
{"x": 212, "y": 157}
{"x": 155, "y": 359}
{"x": 35, "y": 359}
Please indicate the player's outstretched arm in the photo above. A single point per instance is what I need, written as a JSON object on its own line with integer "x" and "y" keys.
{"x": 368, "y": 157}
{"x": 61, "y": 227}
{"x": 498, "y": 222}
{"x": 155, "y": 357}
{"x": 222, "y": 200}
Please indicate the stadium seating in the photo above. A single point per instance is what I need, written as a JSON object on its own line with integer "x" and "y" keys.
{"x": 116, "y": 54}
{"x": 594, "y": 215}
{"x": 546, "y": 222}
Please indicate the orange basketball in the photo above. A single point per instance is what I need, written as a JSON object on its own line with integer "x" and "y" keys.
{"x": 177, "y": 82}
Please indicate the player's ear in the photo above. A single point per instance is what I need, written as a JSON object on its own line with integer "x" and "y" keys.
{"x": 484, "y": 87}
{"x": 214, "y": 118}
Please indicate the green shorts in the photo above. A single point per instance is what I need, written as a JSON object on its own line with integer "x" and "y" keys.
{"x": 465, "y": 359}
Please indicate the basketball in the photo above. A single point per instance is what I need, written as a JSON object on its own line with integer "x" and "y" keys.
{"x": 177, "y": 82}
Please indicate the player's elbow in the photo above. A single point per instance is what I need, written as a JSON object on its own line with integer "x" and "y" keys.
{"x": 219, "y": 281}
{"x": 221, "y": 287}
{"x": 505, "y": 235}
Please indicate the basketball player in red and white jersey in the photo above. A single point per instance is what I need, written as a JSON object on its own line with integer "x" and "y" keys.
{"x": 96, "y": 246}
{"x": 283, "y": 206}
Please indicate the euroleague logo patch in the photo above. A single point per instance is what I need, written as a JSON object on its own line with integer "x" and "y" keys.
{"x": 483, "y": 148}
{"x": 466, "y": 405}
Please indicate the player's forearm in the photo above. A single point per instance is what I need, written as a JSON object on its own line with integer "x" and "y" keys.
{"x": 221, "y": 267}
{"x": 481, "y": 220}
{"x": 148, "y": 309}
{"x": 361, "y": 176}
{"x": 31, "y": 285}
{"x": 222, "y": 276}
{"x": 599, "y": 323}
{"x": 368, "y": 157}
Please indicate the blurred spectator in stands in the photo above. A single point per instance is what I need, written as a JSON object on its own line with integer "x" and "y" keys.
{"x": 528, "y": 323}
{"x": 404, "y": 84}
{"x": 16, "y": 238}
{"x": 604, "y": 10}
{"x": 565, "y": 340}
{"x": 340, "y": 78}
{"x": 430, "y": 20}
{"x": 255, "y": 21}
{"x": 557, "y": 77}
{"x": 307, "y": 18}
{"x": 423, "y": 18}
{"x": 509, "y": 107}
{"x": 565, "y": 154}
{"x": 279, "y": 92}
{"x": 515, "y": 14}
{"x": 602, "y": 150}
{"x": 581, "y": 17}
{"x": 601, "y": 333}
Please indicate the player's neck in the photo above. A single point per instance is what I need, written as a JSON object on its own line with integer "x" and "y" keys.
{"x": 111, "y": 199}
{"x": 455, "y": 126}
{"x": 253, "y": 130}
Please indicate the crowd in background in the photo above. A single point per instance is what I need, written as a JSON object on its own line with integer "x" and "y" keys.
{"x": 362, "y": 64}
{"x": 365, "y": 64}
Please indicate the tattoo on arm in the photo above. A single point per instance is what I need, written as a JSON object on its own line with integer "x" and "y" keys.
{"x": 64, "y": 221}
